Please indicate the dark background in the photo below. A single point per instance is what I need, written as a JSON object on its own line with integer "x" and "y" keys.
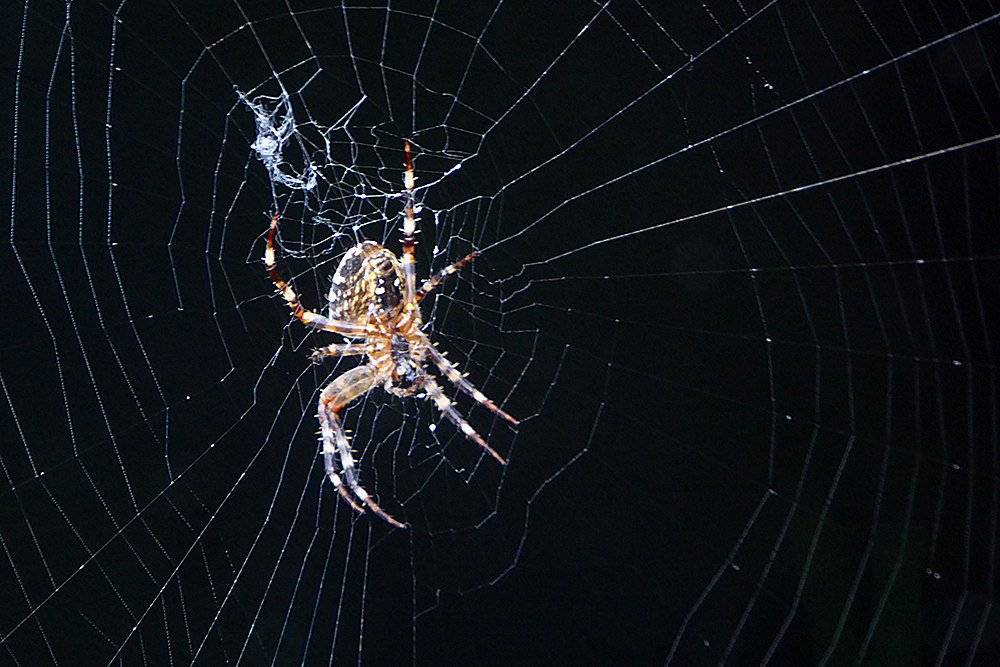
{"x": 737, "y": 279}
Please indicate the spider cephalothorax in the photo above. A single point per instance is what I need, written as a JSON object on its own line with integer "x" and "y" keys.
{"x": 373, "y": 297}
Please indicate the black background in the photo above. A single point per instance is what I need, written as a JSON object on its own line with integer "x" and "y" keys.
{"x": 736, "y": 280}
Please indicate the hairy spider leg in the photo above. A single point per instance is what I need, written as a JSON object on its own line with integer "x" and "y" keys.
{"x": 338, "y": 350}
{"x": 340, "y": 392}
{"x": 409, "y": 233}
{"x": 457, "y": 379}
{"x": 307, "y": 317}
{"x": 436, "y": 280}
{"x": 447, "y": 408}
{"x": 413, "y": 295}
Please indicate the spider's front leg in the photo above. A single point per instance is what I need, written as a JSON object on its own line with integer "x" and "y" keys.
{"x": 337, "y": 394}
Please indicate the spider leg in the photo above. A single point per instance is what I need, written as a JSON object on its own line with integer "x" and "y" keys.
{"x": 447, "y": 408}
{"x": 459, "y": 381}
{"x": 409, "y": 231}
{"x": 338, "y": 350}
{"x": 434, "y": 281}
{"x": 308, "y": 317}
{"x": 337, "y": 394}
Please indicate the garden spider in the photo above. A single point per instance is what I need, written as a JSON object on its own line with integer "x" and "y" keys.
{"x": 373, "y": 296}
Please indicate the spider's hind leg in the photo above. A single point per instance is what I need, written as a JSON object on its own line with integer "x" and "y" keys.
{"x": 439, "y": 277}
{"x": 291, "y": 297}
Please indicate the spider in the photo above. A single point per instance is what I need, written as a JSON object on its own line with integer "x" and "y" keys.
{"x": 374, "y": 297}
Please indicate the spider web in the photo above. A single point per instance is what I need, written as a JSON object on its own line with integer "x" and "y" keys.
{"x": 736, "y": 277}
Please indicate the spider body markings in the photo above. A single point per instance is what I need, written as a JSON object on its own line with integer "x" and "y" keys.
{"x": 373, "y": 297}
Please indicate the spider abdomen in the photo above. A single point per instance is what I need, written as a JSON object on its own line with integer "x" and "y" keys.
{"x": 368, "y": 281}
